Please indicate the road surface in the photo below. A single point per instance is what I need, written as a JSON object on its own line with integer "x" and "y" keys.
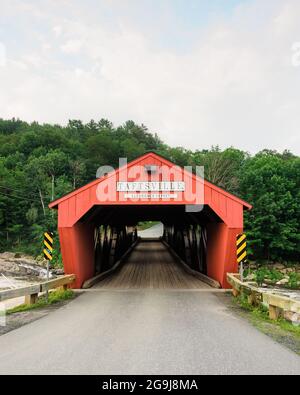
{"x": 143, "y": 331}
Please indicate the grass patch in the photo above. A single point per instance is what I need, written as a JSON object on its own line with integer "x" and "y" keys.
{"x": 260, "y": 315}
{"x": 56, "y": 296}
{"x": 146, "y": 225}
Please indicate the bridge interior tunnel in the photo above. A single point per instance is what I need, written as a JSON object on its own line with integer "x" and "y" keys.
{"x": 195, "y": 237}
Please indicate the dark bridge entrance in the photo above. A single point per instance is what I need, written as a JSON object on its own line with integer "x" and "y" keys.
{"x": 97, "y": 223}
{"x": 115, "y": 231}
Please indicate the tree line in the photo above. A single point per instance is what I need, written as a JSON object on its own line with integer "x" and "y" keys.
{"x": 39, "y": 163}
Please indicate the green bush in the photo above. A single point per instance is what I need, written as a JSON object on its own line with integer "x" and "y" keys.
{"x": 294, "y": 279}
{"x": 260, "y": 275}
{"x": 264, "y": 273}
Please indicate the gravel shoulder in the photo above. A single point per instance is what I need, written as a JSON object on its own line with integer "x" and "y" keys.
{"x": 280, "y": 335}
{"x": 17, "y": 320}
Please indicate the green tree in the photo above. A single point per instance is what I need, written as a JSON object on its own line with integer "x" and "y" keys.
{"x": 268, "y": 182}
{"x": 221, "y": 167}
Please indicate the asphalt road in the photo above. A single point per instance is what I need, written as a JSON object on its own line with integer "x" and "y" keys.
{"x": 143, "y": 332}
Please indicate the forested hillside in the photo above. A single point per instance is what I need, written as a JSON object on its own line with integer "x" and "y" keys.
{"x": 39, "y": 163}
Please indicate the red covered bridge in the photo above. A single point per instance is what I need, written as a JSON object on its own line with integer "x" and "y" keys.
{"x": 97, "y": 222}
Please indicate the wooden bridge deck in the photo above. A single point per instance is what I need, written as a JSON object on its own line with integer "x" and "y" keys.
{"x": 151, "y": 266}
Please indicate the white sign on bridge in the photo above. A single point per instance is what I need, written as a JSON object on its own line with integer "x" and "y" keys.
{"x": 163, "y": 186}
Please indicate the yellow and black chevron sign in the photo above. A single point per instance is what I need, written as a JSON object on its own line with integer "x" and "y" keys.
{"x": 48, "y": 245}
{"x": 241, "y": 248}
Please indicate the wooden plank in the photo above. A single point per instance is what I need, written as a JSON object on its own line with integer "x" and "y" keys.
{"x": 100, "y": 277}
{"x": 278, "y": 305}
{"x": 151, "y": 266}
{"x": 202, "y": 277}
{"x": 57, "y": 282}
{"x": 282, "y": 302}
{"x": 239, "y": 286}
{"x": 274, "y": 312}
{"x": 31, "y": 299}
{"x": 36, "y": 288}
{"x": 16, "y": 293}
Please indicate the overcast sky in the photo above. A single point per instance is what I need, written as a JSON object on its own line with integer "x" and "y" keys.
{"x": 197, "y": 72}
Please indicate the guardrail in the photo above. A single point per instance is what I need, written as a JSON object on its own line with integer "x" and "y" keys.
{"x": 279, "y": 305}
{"x": 31, "y": 292}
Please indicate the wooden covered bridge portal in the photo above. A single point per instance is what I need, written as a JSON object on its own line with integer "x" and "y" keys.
{"x": 97, "y": 222}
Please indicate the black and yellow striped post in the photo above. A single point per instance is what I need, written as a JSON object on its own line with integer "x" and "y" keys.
{"x": 241, "y": 252}
{"x": 48, "y": 245}
{"x": 48, "y": 253}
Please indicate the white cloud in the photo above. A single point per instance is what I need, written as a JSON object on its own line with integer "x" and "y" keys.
{"x": 72, "y": 46}
{"x": 2, "y": 55}
{"x": 296, "y": 54}
{"x": 236, "y": 85}
{"x": 57, "y": 30}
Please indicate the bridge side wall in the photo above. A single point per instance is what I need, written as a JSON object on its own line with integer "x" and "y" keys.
{"x": 221, "y": 251}
{"x": 77, "y": 248}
